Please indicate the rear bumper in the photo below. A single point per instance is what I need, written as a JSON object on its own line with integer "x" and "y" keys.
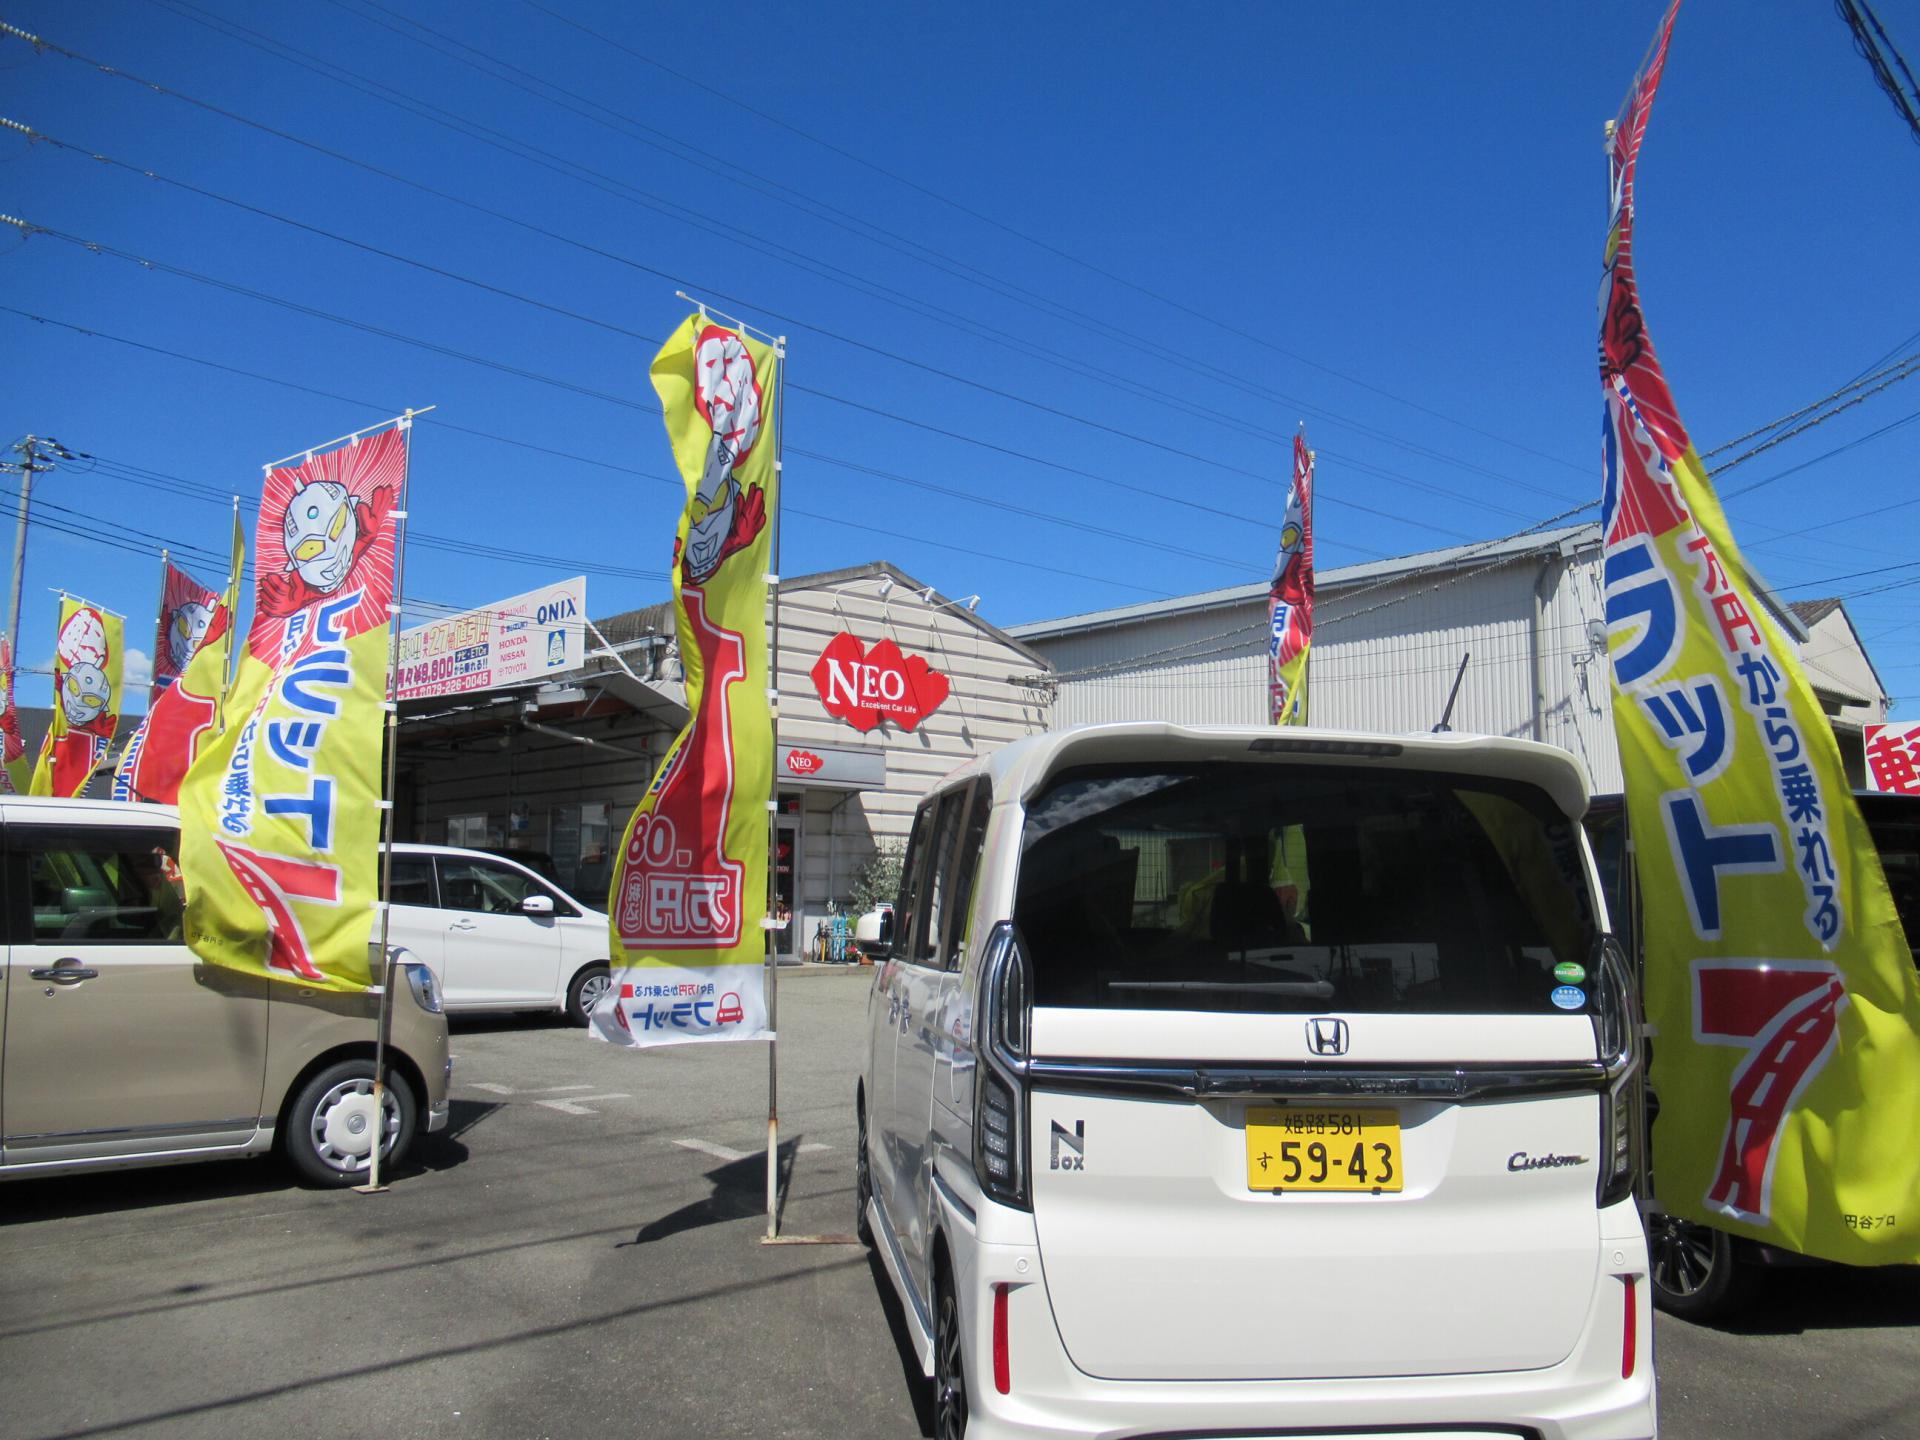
{"x": 437, "y": 1116}
{"x": 1582, "y": 1398}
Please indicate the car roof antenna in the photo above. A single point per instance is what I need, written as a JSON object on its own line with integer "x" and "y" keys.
{"x": 1452, "y": 695}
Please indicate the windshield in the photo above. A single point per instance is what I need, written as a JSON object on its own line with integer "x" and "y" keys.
{"x": 1284, "y": 888}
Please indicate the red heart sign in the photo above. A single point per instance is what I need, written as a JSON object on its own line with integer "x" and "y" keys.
{"x": 864, "y": 687}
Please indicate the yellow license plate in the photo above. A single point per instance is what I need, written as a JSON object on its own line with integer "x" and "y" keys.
{"x": 1302, "y": 1147}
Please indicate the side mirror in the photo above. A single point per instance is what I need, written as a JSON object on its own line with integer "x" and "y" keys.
{"x": 537, "y": 905}
{"x": 886, "y": 929}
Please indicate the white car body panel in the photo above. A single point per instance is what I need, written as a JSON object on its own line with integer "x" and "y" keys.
{"x": 500, "y": 961}
{"x": 1150, "y": 1290}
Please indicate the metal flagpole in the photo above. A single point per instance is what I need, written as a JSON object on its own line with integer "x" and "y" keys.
{"x": 233, "y": 618}
{"x": 160, "y": 627}
{"x": 384, "y": 1028}
{"x": 773, "y": 808}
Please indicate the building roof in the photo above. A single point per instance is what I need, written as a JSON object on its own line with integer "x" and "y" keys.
{"x": 1812, "y": 612}
{"x": 879, "y": 569}
{"x": 1480, "y": 552}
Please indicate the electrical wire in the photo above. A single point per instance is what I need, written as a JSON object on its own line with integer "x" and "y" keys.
{"x": 1265, "y": 342}
{"x": 732, "y": 232}
{"x": 1791, "y": 416}
{"x": 838, "y": 522}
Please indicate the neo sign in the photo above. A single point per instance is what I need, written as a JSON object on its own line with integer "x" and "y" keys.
{"x": 864, "y": 687}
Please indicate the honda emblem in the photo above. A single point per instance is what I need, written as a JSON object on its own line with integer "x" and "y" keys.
{"x": 1326, "y": 1035}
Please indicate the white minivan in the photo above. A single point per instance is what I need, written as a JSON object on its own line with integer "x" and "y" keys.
{"x": 1250, "y": 1081}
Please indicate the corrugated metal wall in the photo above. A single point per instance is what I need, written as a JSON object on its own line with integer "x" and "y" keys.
{"x": 1384, "y": 659}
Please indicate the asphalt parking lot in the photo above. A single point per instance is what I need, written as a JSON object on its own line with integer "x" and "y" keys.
{"x": 578, "y": 1255}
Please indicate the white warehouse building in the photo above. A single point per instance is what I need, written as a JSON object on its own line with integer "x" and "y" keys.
{"x": 1520, "y": 622}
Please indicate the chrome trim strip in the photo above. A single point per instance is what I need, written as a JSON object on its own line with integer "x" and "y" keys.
{"x": 141, "y": 1132}
{"x": 1459, "y": 1084}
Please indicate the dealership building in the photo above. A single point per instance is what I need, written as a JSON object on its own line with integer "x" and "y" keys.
{"x": 884, "y": 686}
{"x": 1504, "y": 638}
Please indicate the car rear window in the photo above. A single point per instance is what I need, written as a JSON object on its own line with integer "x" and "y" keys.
{"x": 1284, "y": 888}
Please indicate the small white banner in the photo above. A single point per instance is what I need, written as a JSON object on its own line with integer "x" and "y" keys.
{"x": 683, "y": 1005}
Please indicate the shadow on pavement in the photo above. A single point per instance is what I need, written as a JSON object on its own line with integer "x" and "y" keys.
{"x": 739, "y": 1190}
{"x": 1794, "y": 1300}
{"x": 140, "y": 1187}
{"x": 508, "y": 1022}
{"x": 917, "y": 1385}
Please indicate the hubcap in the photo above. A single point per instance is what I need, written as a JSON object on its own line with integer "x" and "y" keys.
{"x": 1682, "y": 1255}
{"x": 593, "y": 990}
{"x": 949, "y": 1374}
{"x": 344, "y": 1125}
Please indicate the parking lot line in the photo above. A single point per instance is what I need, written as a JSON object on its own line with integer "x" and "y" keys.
{"x": 577, "y": 1105}
{"x": 729, "y": 1155}
{"x": 494, "y": 1089}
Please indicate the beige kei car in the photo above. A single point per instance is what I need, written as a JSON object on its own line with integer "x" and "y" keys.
{"x": 118, "y": 1047}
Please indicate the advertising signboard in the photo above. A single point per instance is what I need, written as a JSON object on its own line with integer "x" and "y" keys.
{"x": 522, "y": 638}
{"x": 1893, "y": 757}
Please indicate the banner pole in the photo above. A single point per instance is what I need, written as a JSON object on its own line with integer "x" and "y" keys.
{"x": 385, "y": 1025}
{"x": 233, "y": 622}
{"x": 773, "y": 808}
{"x": 159, "y": 630}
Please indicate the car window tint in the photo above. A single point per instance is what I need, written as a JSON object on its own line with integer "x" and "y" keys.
{"x": 972, "y": 839}
{"x": 412, "y": 880}
{"x": 911, "y": 883}
{"x": 104, "y": 887}
{"x": 933, "y": 914}
{"x": 484, "y": 888}
{"x": 1284, "y": 888}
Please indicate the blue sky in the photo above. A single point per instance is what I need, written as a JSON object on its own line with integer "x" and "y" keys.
{"x": 1167, "y": 234}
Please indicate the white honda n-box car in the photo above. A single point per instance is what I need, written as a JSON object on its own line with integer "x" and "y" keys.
{"x": 1252, "y": 1081}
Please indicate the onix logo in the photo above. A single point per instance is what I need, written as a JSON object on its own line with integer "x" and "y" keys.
{"x": 1074, "y": 1142}
{"x": 1786, "y": 1015}
{"x": 1327, "y": 1035}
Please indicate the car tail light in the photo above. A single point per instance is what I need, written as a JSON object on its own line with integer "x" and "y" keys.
{"x": 1002, "y": 1367}
{"x": 1629, "y": 1333}
{"x": 1616, "y": 1029}
{"x": 1000, "y": 1100}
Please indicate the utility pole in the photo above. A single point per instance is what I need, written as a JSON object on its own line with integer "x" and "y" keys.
{"x": 37, "y": 453}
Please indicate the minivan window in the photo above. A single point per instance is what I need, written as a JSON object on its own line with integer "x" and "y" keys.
{"x": 1283, "y": 888}
{"x": 912, "y": 885}
{"x": 103, "y": 887}
{"x": 932, "y": 921}
{"x": 412, "y": 880}
{"x": 972, "y": 840}
{"x": 488, "y": 889}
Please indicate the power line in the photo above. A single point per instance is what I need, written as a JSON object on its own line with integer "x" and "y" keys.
{"x": 521, "y": 372}
{"x": 473, "y": 129}
{"x": 787, "y": 509}
{"x": 1789, "y": 418}
{"x": 1870, "y": 38}
{"x": 1051, "y": 249}
{"x": 1911, "y": 367}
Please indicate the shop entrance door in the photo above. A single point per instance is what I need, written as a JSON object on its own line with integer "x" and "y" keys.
{"x": 786, "y": 870}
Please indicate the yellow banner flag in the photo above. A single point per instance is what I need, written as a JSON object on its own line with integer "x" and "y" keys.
{"x": 16, "y": 771}
{"x": 86, "y": 698}
{"x": 1784, "y": 1000}
{"x": 279, "y": 811}
{"x": 690, "y": 887}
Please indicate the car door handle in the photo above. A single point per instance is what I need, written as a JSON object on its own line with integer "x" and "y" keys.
{"x": 65, "y": 974}
{"x": 462, "y": 925}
